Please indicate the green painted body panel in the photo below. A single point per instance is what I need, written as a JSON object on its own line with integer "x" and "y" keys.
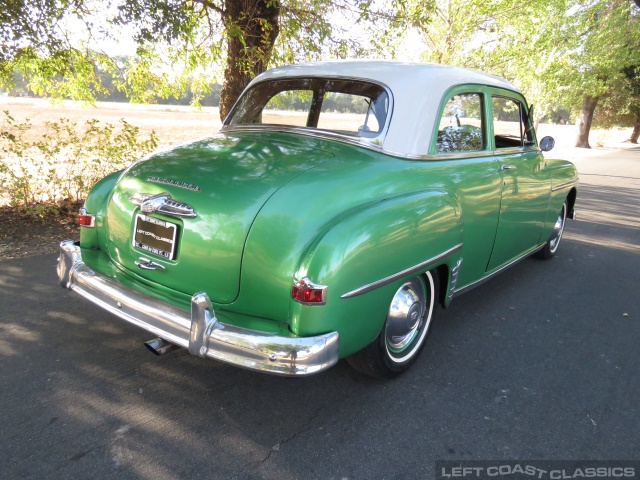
{"x": 373, "y": 243}
{"x": 524, "y": 202}
{"x": 564, "y": 176}
{"x": 274, "y": 207}
{"x": 237, "y": 175}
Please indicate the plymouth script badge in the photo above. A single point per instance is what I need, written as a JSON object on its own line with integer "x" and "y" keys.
{"x": 175, "y": 183}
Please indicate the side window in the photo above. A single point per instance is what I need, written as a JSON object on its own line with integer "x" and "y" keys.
{"x": 349, "y": 113}
{"x": 461, "y": 126}
{"x": 511, "y": 126}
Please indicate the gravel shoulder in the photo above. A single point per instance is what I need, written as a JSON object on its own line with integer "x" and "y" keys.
{"x": 24, "y": 236}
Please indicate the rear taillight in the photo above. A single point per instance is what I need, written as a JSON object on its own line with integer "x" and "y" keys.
{"x": 308, "y": 293}
{"x": 84, "y": 219}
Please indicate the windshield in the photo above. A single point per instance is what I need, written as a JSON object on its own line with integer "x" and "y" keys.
{"x": 348, "y": 107}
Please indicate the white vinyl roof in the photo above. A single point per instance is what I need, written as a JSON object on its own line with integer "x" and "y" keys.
{"x": 417, "y": 90}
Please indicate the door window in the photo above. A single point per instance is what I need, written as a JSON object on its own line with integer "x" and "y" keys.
{"x": 461, "y": 125}
{"x": 511, "y": 127}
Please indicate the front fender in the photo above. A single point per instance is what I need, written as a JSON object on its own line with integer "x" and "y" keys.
{"x": 564, "y": 185}
{"x": 368, "y": 246}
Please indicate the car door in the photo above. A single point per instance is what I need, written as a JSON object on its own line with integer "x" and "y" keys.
{"x": 468, "y": 168}
{"x": 526, "y": 182}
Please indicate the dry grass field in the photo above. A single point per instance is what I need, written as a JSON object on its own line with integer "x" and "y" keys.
{"x": 172, "y": 124}
{"x": 175, "y": 124}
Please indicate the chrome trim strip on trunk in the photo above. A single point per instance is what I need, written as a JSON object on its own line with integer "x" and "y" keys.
{"x": 199, "y": 330}
{"x": 408, "y": 271}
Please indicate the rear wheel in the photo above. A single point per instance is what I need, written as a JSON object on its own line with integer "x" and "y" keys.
{"x": 553, "y": 243}
{"x": 404, "y": 332}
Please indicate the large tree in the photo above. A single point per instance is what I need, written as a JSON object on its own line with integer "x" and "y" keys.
{"x": 56, "y": 44}
{"x": 595, "y": 68}
{"x": 560, "y": 52}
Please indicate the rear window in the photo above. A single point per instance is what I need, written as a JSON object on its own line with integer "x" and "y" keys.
{"x": 348, "y": 107}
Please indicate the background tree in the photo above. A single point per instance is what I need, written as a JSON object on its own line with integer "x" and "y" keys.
{"x": 621, "y": 104}
{"x": 559, "y": 52}
{"x": 180, "y": 43}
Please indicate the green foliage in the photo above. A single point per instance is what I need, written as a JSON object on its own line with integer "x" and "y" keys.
{"x": 556, "y": 51}
{"x": 64, "y": 161}
{"x": 181, "y": 45}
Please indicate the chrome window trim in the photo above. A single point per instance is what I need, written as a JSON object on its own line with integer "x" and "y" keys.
{"x": 315, "y": 132}
{"x": 327, "y": 135}
{"x": 513, "y": 150}
{"x": 403, "y": 273}
{"x": 370, "y": 142}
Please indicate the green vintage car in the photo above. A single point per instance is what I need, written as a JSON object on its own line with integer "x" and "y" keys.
{"x": 338, "y": 206}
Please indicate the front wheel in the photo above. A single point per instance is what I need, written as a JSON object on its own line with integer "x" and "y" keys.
{"x": 404, "y": 332}
{"x": 553, "y": 243}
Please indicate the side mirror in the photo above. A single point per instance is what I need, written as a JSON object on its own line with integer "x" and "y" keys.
{"x": 547, "y": 143}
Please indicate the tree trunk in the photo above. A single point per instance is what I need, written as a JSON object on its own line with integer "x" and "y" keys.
{"x": 252, "y": 28}
{"x": 636, "y": 131}
{"x": 584, "y": 121}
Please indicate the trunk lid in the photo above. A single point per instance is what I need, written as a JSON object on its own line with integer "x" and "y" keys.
{"x": 226, "y": 180}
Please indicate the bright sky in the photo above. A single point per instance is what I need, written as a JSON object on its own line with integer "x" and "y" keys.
{"x": 104, "y": 37}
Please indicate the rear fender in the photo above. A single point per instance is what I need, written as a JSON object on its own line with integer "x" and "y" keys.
{"x": 364, "y": 257}
{"x": 96, "y": 204}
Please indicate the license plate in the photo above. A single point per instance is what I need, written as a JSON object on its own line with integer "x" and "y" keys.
{"x": 155, "y": 236}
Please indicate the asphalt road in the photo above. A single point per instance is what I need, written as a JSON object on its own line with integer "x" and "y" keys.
{"x": 542, "y": 362}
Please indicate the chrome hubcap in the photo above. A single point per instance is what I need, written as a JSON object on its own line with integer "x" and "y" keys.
{"x": 558, "y": 229}
{"x": 406, "y": 315}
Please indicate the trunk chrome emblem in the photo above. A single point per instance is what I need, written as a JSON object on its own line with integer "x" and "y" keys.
{"x": 162, "y": 203}
{"x": 147, "y": 264}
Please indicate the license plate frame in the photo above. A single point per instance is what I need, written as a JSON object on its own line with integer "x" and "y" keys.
{"x": 155, "y": 236}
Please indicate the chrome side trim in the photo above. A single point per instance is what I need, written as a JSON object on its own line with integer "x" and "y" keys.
{"x": 408, "y": 271}
{"x": 477, "y": 283}
{"x": 455, "y": 271}
{"x": 199, "y": 330}
{"x": 564, "y": 185}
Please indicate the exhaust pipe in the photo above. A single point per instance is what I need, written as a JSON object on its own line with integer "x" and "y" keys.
{"x": 160, "y": 346}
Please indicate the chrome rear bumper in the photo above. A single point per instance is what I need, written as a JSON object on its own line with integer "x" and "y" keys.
{"x": 199, "y": 331}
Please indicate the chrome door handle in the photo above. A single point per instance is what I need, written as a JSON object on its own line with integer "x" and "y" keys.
{"x": 508, "y": 167}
